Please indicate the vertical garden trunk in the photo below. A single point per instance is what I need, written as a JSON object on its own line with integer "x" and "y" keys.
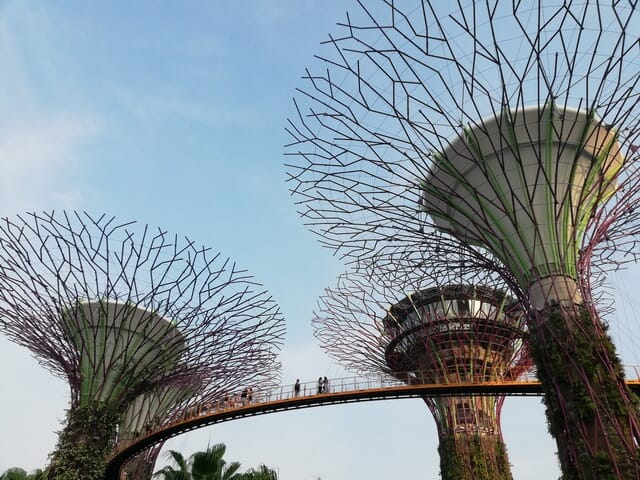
{"x": 590, "y": 411}
{"x": 84, "y": 444}
{"x": 473, "y": 457}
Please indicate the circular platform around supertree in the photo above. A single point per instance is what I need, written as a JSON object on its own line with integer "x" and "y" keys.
{"x": 453, "y": 334}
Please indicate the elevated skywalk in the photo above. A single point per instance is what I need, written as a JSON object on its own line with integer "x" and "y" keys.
{"x": 341, "y": 390}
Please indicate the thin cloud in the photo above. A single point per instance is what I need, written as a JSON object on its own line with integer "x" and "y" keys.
{"x": 39, "y": 158}
{"x": 154, "y": 106}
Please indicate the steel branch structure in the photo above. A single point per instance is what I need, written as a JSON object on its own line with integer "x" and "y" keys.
{"x": 140, "y": 323}
{"x": 508, "y": 131}
{"x": 447, "y": 333}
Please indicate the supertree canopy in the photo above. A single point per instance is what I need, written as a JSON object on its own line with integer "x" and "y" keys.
{"x": 140, "y": 323}
{"x": 509, "y": 131}
{"x": 525, "y": 184}
{"x": 447, "y": 333}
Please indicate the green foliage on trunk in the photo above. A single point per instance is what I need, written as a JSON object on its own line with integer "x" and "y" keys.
{"x": 473, "y": 457}
{"x": 84, "y": 444}
{"x": 590, "y": 411}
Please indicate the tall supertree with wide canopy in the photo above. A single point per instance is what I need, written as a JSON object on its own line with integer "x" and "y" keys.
{"x": 137, "y": 321}
{"x": 512, "y": 129}
{"x": 451, "y": 329}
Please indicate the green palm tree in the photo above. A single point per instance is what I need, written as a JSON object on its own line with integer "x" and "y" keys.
{"x": 17, "y": 473}
{"x": 209, "y": 465}
{"x": 170, "y": 473}
{"x": 261, "y": 473}
{"x": 14, "y": 474}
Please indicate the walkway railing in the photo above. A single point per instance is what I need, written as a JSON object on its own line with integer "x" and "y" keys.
{"x": 343, "y": 385}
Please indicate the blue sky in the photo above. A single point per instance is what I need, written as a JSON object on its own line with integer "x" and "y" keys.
{"x": 174, "y": 116}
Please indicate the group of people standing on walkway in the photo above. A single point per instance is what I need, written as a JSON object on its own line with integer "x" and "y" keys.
{"x": 323, "y": 386}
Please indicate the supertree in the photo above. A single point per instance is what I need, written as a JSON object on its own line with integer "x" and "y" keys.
{"x": 134, "y": 319}
{"x": 451, "y": 329}
{"x": 512, "y": 129}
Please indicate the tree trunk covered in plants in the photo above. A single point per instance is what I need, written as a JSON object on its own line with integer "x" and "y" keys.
{"x": 590, "y": 411}
{"x": 84, "y": 444}
{"x": 473, "y": 457}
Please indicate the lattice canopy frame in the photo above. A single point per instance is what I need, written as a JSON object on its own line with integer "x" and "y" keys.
{"x": 505, "y": 130}
{"x": 124, "y": 312}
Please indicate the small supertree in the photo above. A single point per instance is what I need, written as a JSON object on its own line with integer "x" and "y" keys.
{"x": 460, "y": 329}
{"x": 123, "y": 312}
{"x": 511, "y": 128}
{"x": 164, "y": 405}
{"x": 146, "y": 412}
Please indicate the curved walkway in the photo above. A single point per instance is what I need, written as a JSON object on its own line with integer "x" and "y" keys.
{"x": 342, "y": 390}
